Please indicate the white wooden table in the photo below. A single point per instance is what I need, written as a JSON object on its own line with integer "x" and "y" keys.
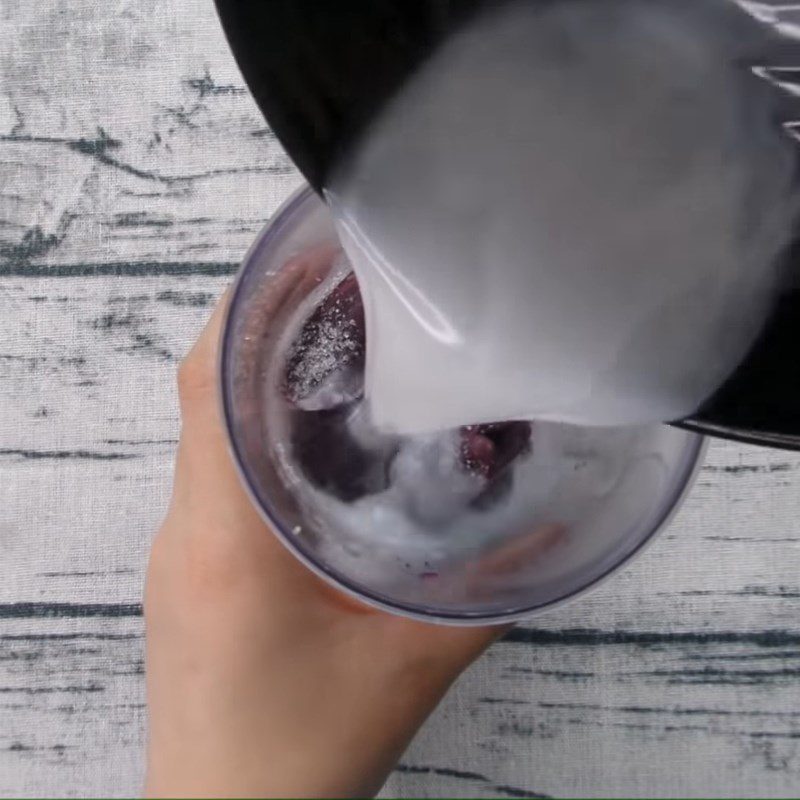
{"x": 134, "y": 171}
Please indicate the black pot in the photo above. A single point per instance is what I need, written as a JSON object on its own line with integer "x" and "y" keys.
{"x": 321, "y": 70}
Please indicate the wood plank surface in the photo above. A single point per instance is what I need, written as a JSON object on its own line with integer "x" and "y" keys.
{"x": 135, "y": 171}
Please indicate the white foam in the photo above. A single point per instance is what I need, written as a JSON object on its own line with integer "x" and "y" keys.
{"x": 572, "y": 212}
{"x": 601, "y": 485}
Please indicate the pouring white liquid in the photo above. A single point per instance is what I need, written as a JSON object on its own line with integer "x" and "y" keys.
{"x": 568, "y": 214}
{"x": 419, "y": 514}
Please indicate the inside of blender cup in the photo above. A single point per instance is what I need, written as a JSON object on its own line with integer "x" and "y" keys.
{"x": 573, "y": 502}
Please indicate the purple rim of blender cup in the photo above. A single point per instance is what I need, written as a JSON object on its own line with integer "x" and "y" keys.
{"x": 271, "y": 232}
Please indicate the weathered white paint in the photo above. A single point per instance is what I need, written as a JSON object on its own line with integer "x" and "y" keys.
{"x": 134, "y": 172}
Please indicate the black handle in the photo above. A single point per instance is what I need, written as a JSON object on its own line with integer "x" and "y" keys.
{"x": 321, "y": 69}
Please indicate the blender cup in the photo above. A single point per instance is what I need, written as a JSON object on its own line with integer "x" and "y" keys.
{"x": 578, "y": 504}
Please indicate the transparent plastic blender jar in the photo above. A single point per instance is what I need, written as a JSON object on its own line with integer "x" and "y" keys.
{"x": 573, "y": 537}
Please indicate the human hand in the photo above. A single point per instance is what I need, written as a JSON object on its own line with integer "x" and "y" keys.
{"x": 261, "y": 679}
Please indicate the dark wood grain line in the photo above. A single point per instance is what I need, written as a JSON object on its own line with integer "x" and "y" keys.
{"x": 790, "y": 593}
{"x": 206, "y": 85}
{"x": 90, "y": 688}
{"x": 670, "y": 710}
{"x": 758, "y": 539}
{"x": 744, "y": 469}
{"x": 446, "y": 772}
{"x": 82, "y": 455}
{"x": 128, "y": 269}
{"x": 102, "y": 145}
{"x": 713, "y": 675}
{"x": 19, "y": 747}
{"x": 582, "y": 637}
{"x": 493, "y": 701}
{"x": 513, "y": 791}
{"x": 138, "y": 442}
{"x": 138, "y": 219}
{"x": 773, "y": 655}
{"x": 68, "y": 610}
{"x": 184, "y": 299}
{"x": 85, "y": 574}
{"x": 66, "y": 637}
{"x": 35, "y": 243}
{"x": 134, "y": 326}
